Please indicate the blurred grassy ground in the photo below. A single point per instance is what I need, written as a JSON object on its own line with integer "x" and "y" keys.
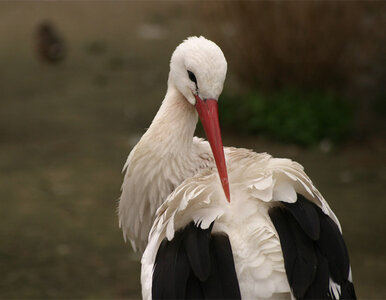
{"x": 66, "y": 130}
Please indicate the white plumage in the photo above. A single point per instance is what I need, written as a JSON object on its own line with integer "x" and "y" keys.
{"x": 257, "y": 181}
{"x": 167, "y": 153}
{"x": 173, "y": 178}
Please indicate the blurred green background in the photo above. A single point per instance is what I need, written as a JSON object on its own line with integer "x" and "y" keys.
{"x": 305, "y": 81}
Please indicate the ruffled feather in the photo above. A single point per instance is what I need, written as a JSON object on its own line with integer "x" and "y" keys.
{"x": 257, "y": 182}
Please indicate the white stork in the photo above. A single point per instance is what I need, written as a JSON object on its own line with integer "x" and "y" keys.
{"x": 265, "y": 233}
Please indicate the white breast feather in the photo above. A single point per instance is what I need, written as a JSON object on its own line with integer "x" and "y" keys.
{"x": 256, "y": 182}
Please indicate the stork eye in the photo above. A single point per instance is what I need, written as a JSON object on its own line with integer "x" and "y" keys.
{"x": 192, "y": 77}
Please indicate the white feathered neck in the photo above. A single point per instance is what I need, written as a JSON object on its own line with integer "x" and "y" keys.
{"x": 166, "y": 155}
{"x": 173, "y": 126}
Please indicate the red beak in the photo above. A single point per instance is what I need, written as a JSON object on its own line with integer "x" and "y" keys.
{"x": 208, "y": 112}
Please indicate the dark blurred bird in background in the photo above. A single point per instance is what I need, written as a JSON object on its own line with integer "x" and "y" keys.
{"x": 50, "y": 45}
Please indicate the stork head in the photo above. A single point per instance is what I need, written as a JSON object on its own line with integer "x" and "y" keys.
{"x": 198, "y": 69}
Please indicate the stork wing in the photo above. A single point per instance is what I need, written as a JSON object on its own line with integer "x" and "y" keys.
{"x": 281, "y": 204}
{"x": 195, "y": 264}
{"x": 315, "y": 255}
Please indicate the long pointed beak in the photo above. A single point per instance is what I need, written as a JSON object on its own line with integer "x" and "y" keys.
{"x": 208, "y": 112}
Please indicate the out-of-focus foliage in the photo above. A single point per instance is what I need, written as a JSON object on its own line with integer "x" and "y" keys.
{"x": 289, "y": 115}
{"x": 380, "y": 106}
{"x": 274, "y": 44}
{"x": 324, "y": 46}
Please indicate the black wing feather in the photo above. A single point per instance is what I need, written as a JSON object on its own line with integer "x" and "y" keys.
{"x": 223, "y": 282}
{"x": 306, "y": 215}
{"x": 347, "y": 290}
{"x": 212, "y": 287}
{"x": 181, "y": 273}
{"x": 197, "y": 249}
{"x": 319, "y": 287}
{"x": 279, "y": 220}
{"x": 300, "y": 252}
{"x": 332, "y": 246}
{"x": 195, "y": 264}
{"x": 169, "y": 279}
{"x": 226, "y": 266}
{"x": 306, "y": 263}
{"x": 193, "y": 288}
{"x": 312, "y": 244}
